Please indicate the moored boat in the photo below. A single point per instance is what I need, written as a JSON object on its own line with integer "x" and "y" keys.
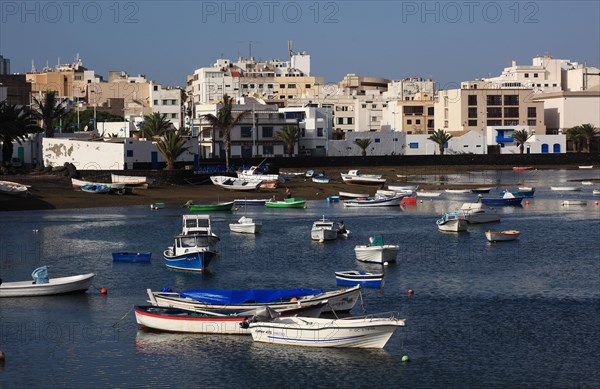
{"x": 457, "y": 191}
{"x": 521, "y": 168}
{"x": 355, "y": 177}
{"x": 60, "y": 285}
{"x": 199, "y": 225}
{"x": 323, "y": 230}
{"x": 376, "y": 251}
{"x": 354, "y": 277}
{"x": 77, "y": 184}
{"x": 93, "y": 188}
{"x": 132, "y": 256}
{"x": 403, "y": 188}
{"x": 360, "y": 332}
{"x": 476, "y": 213}
{"x": 237, "y": 184}
{"x": 191, "y": 252}
{"x": 293, "y": 202}
{"x": 209, "y": 207}
{"x": 452, "y": 222}
{"x": 377, "y": 201}
{"x": 565, "y": 188}
{"x": 348, "y": 195}
{"x": 574, "y": 202}
{"x": 480, "y": 190}
{"x": 246, "y": 225}
{"x": 250, "y": 201}
{"x": 596, "y": 192}
{"x": 522, "y": 192}
{"x": 141, "y": 182}
{"x": 586, "y": 166}
{"x": 502, "y": 236}
{"x": 508, "y": 199}
{"x": 424, "y": 193}
{"x": 231, "y": 300}
{"x": 267, "y": 180}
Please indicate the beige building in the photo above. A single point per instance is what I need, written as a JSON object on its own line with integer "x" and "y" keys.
{"x": 356, "y": 85}
{"x": 564, "y": 110}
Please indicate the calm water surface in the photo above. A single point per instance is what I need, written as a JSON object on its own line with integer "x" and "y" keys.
{"x": 514, "y": 314}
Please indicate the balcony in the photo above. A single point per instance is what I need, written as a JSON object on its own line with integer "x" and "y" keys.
{"x": 503, "y": 139}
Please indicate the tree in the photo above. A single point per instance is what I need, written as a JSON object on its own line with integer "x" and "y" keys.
{"x": 440, "y": 137}
{"x": 363, "y": 144}
{"x": 521, "y": 137}
{"x": 290, "y": 135}
{"x": 587, "y": 132}
{"x": 70, "y": 123}
{"x": 155, "y": 125}
{"x": 224, "y": 121}
{"x": 171, "y": 146}
{"x": 15, "y": 124}
{"x": 49, "y": 110}
{"x": 575, "y": 135}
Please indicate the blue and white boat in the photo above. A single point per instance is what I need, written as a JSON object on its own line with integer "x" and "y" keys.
{"x": 508, "y": 199}
{"x": 95, "y": 188}
{"x": 521, "y": 192}
{"x": 250, "y": 201}
{"x": 452, "y": 222}
{"x": 354, "y": 277}
{"x": 132, "y": 256}
{"x": 191, "y": 252}
{"x": 377, "y": 201}
{"x": 320, "y": 180}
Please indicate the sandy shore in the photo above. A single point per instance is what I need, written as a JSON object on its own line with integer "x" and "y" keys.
{"x": 54, "y": 192}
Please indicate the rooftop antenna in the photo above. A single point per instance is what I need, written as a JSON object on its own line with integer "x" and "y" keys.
{"x": 290, "y": 50}
{"x": 33, "y": 67}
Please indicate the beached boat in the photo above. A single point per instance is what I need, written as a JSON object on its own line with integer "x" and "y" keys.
{"x": 481, "y": 190}
{"x": 77, "y": 184}
{"x": 132, "y": 256}
{"x": 209, "y": 207}
{"x": 246, "y": 225}
{"x": 526, "y": 189}
{"x": 521, "y": 168}
{"x": 586, "y": 166}
{"x": 508, "y": 199}
{"x": 140, "y": 182}
{"x": 377, "y": 201}
{"x": 587, "y": 183}
{"x": 354, "y": 277}
{"x": 574, "y": 202}
{"x": 199, "y": 225}
{"x": 92, "y": 188}
{"x": 230, "y": 300}
{"x": 457, "y": 191}
{"x": 60, "y": 285}
{"x": 355, "y": 177}
{"x": 565, "y": 188}
{"x": 333, "y": 199}
{"x": 452, "y": 222}
{"x": 424, "y": 193}
{"x": 348, "y": 195}
{"x": 323, "y": 230}
{"x": 309, "y": 173}
{"x": 238, "y": 184}
{"x": 320, "y": 180}
{"x": 361, "y": 332}
{"x": 180, "y": 320}
{"x": 376, "y": 251}
{"x": 191, "y": 252}
{"x": 267, "y": 180}
{"x": 250, "y": 201}
{"x": 476, "y": 213}
{"x": 13, "y": 188}
{"x": 403, "y": 188}
{"x": 502, "y": 236}
{"x": 293, "y": 202}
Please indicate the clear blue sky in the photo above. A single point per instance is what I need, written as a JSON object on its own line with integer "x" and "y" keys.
{"x": 166, "y": 40}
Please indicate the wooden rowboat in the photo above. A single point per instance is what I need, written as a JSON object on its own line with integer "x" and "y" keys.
{"x": 502, "y": 236}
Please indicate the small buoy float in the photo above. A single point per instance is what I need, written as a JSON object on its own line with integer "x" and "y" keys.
{"x": 405, "y": 359}
{"x": 103, "y": 291}
{"x": 596, "y": 203}
{"x": 2, "y": 358}
{"x": 411, "y": 292}
{"x": 527, "y": 202}
{"x": 385, "y": 264}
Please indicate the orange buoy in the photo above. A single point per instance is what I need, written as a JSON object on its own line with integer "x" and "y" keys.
{"x": 596, "y": 203}
{"x": 527, "y": 202}
{"x": 103, "y": 290}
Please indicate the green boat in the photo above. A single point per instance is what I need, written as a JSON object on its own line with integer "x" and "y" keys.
{"x": 210, "y": 207}
{"x": 294, "y": 202}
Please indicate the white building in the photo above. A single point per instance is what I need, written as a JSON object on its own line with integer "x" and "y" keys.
{"x": 108, "y": 153}
{"x": 315, "y": 128}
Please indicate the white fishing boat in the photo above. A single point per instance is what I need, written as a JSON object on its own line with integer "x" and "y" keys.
{"x": 361, "y": 332}
{"x": 376, "y": 251}
{"x": 323, "y": 230}
{"x": 452, "y": 222}
{"x": 320, "y": 180}
{"x": 13, "y": 188}
{"x": 246, "y": 225}
{"x": 565, "y": 188}
{"x": 238, "y": 184}
{"x": 60, "y": 285}
{"x": 574, "y": 202}
{"x": 200, "y": 225}
{"x": 458, "y": 191}
{"x": 77, "y": 184}
{"x": 229, "y": 300}
{"x": 355, "y": 177}
{"x": 424, "y": 193}
{"x": 348, "y": 195}
{"x": 586, "y": 166}
{"x": 476, "y": 213}
{"x": 377, "y": 201}
{"x": 137, "y": 181}
{"x": 587, "y": 183}
{"x": 267, "y": 180}
{"x": 403, "y": 188}
{"x": 502, "y": 236}
{"x": 596, "y": 192}
{"x": 526, "y": 189}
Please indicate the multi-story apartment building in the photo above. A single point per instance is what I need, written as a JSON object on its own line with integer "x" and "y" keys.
{"x": 4, "y": 65}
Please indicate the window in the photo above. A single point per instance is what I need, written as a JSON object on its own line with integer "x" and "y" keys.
{"x": 409, "y": 121}
{"x": 377, "y": 140}
{"x": 155, "y": 87}
{"x": 511, "y": 122}
{"x": 511, "y": 100}
{"x": 526, "y": 75}
{"x": 416, "y": 110}
{"x": 535, "y": 75}
{"x": 472, "y": 123}
{"x": 268, "y": 150}
{"x": 319, "y": 132}
{"x": 413, "y": 145}
{"x": 130, "y": 153}
{"x": 244, "y": 86}
{"x": 531, "y": 122}
{"x": 373, "y": 105}
{"x": 173, "y": 102}
{"x": 430, "y": 111}
{"x": 281, "y": 86}
{"x": 267, "y": 132}
{"x": 270, "y": 86}
{"x": 494, "y": 112}
{"x": 494, "y": 100}
{"x": 364, "y": 105}
{"x": 307, "y": 86}
{"x": 512, "y": 112}
{"x": 472, "y": 99}
{"x": 173, "y": 116}
{"x": 340, "y": 120}
{"x": 155, "y": 102}
{"x": 165, "y": 102}
{"x": 246, "y": 132}
{"x": 531, "y": 112}
{"x": 473, "y": 112}
{"x": 494, "y": 122}
{"x": 251, "y": 86}
{"x": 350, "y": 120}
{"x": 417, "y": 121}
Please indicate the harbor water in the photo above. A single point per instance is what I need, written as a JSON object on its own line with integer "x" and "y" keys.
{"x": 512, "y": 314}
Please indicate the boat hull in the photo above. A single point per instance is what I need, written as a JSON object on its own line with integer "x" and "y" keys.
{"x": 454, "y": 225}
{"x": 353, "y": 332}
{"x": 132, "y": 257}
{"x": 236, "y": 184}
{"x": 78, "y": 283}
{"x": 287, "y": 203}
{"x": 245, "y": 228}
{"x": 377, "y": 254}
{"x": 322, "y": 234}
{"x": 364, "y": 279}
{"x": 211, "y": 207}
{"x": 383, "y": 202}
{"x": 502, "y": 236}
{"x": 194, "y": 261}
{"x": 511, "y": 202}
{"x": 565, "y": 188}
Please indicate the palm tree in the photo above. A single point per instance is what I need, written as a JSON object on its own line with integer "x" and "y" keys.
{"x": 440, "y": 137}
{"x": 15, "y": 124}
{"x": 521, "y": 137}
{"x": 155, "y": 125}
{"x": 224, "y": 121}
{"x": 587, "y": 132}
{"x": 171, "y": 146}
{"x": 575, "y": 135}
{"x": 49, "y": 109}
{"x": 363, "y": 144}
{"x": 290, "y": 135}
